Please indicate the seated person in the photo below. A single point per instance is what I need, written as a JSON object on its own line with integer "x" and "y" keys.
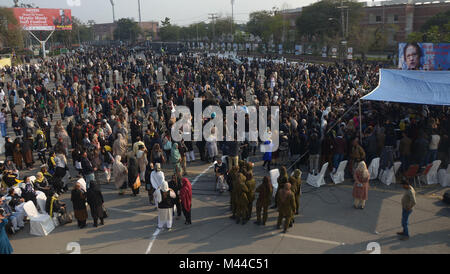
{"x": 47, "y": 175}
{"x": 16, "y": 219}
{"x": 9, "y": 179}
{"x": 220, "y": 168}
{"x": 42, "y": 184}
{"x": 28, "y": 192}
{"x": 9, "y": 165}
{"x": 16, "y": 202}
{"x": 53, "y": 205}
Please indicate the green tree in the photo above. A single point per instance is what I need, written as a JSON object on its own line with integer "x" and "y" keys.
{"x": 10, "y": 31}
{"x": 127, "y": 29}
{"x": 323, "y": 18}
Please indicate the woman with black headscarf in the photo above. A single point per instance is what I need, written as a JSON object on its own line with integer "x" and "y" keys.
{"x": 95, "y": 201}
{"x": 133, "y": 173}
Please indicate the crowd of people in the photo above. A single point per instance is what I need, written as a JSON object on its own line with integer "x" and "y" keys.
{"x": 116, "y": 119}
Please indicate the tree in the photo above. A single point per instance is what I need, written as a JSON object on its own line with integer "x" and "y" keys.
{"x": 434, "y": 30}
{"x": 127, "y": 29}
{"x": 323, "y": 18}
{"x": 169, "y": 32}
{"x": 10, "y": 30}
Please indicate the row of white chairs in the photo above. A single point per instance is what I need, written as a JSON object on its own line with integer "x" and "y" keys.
{"x": 387, "y": 177}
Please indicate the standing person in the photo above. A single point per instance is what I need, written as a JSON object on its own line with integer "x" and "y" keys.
{"x": 433, "y": 146}
{"x": 157, "y": 178}
{"x": 267, "y": 158}
{"x": 27, "y": 150}
{"x": 361, "y": 185}
{"x": 120, "y": 146}
{"x": 175, "y": 158}
{"x": 141, "y": 157}
{"x": 286, "y": 206}
{"x": 157, "y": 155}
{"x": 5, "y": 245}
{"x": 262, "y": 203}
{"x": 175, "y": 185}
{"x": 120, "y": 172}
{"x": 133, "y": 173}
{"x": 408, "y": 203}
{"x": 296, "y": 184}
{"x": 61, "y": 169}
{"x": 17, "y": 155}
{"x": 357, "y": 155}
{"x": 95, "y": 200}
{"x": 78, "y": 199}
{"x": 314, "y": 154}
{"x": 3, "y": 122}
{"x": 87, "y": 169}
{"x": 165, "y": 197}
{"x": 405, "y": 151}
{"x": 186, "y": 199}
{"x": 148, "y": 182}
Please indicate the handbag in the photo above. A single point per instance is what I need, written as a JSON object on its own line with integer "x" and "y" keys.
{"x": 105, "y": 213}
{"x": 66, "y": 218}
{"x": 137, "y": 183}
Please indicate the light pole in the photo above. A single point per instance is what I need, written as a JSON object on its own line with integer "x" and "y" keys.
{"x": 232, "y": 19}
{"x": 114, "y": 14}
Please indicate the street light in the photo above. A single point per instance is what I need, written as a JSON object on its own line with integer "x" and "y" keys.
{"x": 232, "y": 19}
{"x": 114, "y": 15}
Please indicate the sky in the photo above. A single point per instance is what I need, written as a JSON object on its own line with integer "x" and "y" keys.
{"x": 181, "y": 12}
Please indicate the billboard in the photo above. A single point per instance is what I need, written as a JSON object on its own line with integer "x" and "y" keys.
{"x": 44, "y": 19}
{"x": 424, "y": 56}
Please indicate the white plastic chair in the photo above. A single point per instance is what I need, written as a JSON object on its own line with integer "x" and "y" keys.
{"x": 387, "y": 177}
{"x": 444, "y": 176}
{"x": 338, "y": 176}
{"x": 317, "y": 180}
{"x": 373, "y": 168}
{"x": 274, "y": 174}
{"x": 431, "y": 177}
{"x": 32, "y": 179}
{"x": 41, "y": 200}
{"x": 40, "y": 224}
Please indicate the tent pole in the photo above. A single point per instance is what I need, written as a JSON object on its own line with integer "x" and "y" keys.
{"x": 360, "y": 122}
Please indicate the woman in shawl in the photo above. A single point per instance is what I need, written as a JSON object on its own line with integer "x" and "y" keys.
{"x": 120, "y": 172}
{"x": 78, "y": 199}
{"x": 5, "y": 245}
{"x": 133, "y": 173}
{"x": 157, "y": 178}
{"x": 165, "y": 198}
{"x": 95, "y": 201}
{"x": 61, "y": 133}
{"x": 175, "y": 158}
{"x": 42, "y": 184}
{"x": 27, "y": 150}
{"x": 361, "y": 185}
{"x": 186, "y": 199}
{"x": 17, "y": 154}
{"x": 120, "y": 146}
{"x": 157, "y": 155}
{"x": 141, "y": 157}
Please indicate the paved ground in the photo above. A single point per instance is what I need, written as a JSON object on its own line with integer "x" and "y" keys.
{"x": 327, "y": 223}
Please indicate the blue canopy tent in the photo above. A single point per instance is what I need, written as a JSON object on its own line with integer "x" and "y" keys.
{"x": 412, "y": 86}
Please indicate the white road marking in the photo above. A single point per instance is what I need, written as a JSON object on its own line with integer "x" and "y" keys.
{"x": 157, "y": 231}
{"x": 308, "y": 239}
{"x": 155, "y": 234}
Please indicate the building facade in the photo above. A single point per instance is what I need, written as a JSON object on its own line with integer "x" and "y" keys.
{"x": 401, "y": 17}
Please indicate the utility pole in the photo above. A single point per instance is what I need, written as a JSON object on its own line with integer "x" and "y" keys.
{"x": 213, "y": 17}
